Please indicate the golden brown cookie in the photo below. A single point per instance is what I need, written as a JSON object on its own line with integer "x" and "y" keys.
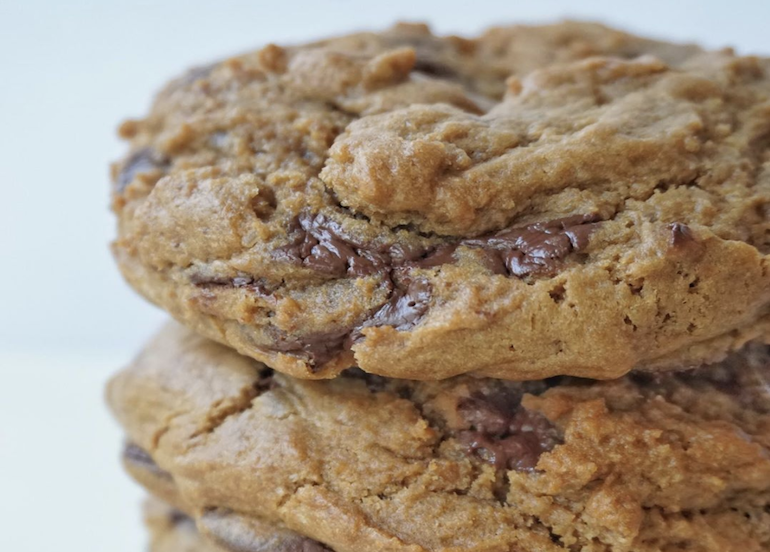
{"x": 387, "y": 201}
{"x": 645, "y": 463}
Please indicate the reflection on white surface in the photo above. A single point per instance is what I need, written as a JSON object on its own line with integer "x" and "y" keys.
{"x": 71, "y": 71}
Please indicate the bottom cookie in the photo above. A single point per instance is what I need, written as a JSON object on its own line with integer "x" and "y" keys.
{"x": 645, "y": 463}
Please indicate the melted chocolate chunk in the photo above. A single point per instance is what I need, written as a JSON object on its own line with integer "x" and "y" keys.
{"x": 537, "y": 249}
{"x": 319, "y": 347}
{"x": 503, "y": 433}
{"x": 136, "y": 455}
{"x": 141, "y": 161}
{"x": 407, "y": 306}
{"x": 321, "y": 244}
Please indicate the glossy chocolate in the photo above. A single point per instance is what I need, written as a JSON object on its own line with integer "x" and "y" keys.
{"x": 502, "y": 432}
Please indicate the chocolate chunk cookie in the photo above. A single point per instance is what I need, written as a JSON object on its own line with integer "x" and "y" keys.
{"x": 648, "y": 462}
{"x": 537, "y": 201}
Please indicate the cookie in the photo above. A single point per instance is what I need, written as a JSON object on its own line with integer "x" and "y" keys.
{"x": 171, "y": 530}
{"x": 648, "y": 462}
{"x": 387, "y": 201}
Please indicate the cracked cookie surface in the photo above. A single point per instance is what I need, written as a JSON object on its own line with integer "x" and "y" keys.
{"x": 645, "y": 463}
{"x": 537, "y": 201}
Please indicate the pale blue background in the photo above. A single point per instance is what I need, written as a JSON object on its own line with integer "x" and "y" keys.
{"x": 70, "y": 70}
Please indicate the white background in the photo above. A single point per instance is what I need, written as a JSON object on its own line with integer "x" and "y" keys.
{"x": 70, "y": 70}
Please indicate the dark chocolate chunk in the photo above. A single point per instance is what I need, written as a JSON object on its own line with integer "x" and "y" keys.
{"x": 443, "y": 254}
{"x": 321, "y": 244}
{"x": 141, "y": 161}
{"x": 407, "y": 305}
{"x": 502, "y": 432}
{"x": 319, "y": 347}
{"x": 539, "y": 248}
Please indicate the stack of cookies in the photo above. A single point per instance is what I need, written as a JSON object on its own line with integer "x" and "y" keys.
{"x": 506, "y": 293}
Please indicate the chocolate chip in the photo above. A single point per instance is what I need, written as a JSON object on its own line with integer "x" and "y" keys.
{"x": 503, "y": 433}
{"x": 537, "y": 249}
{"x": 141, "y": 161}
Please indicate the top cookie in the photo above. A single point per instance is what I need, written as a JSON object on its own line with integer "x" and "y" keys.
{"x": 565, "y": 199}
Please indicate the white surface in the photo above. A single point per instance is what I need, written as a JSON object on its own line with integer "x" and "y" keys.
{"x": 71, "y": 71}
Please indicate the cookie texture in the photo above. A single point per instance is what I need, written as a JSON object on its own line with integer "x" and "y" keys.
{"x": 537, "y": 201}
{"x": 217, "y": 529}
{"x": 171, "y": 530}
{"x": 648, "y": 462}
